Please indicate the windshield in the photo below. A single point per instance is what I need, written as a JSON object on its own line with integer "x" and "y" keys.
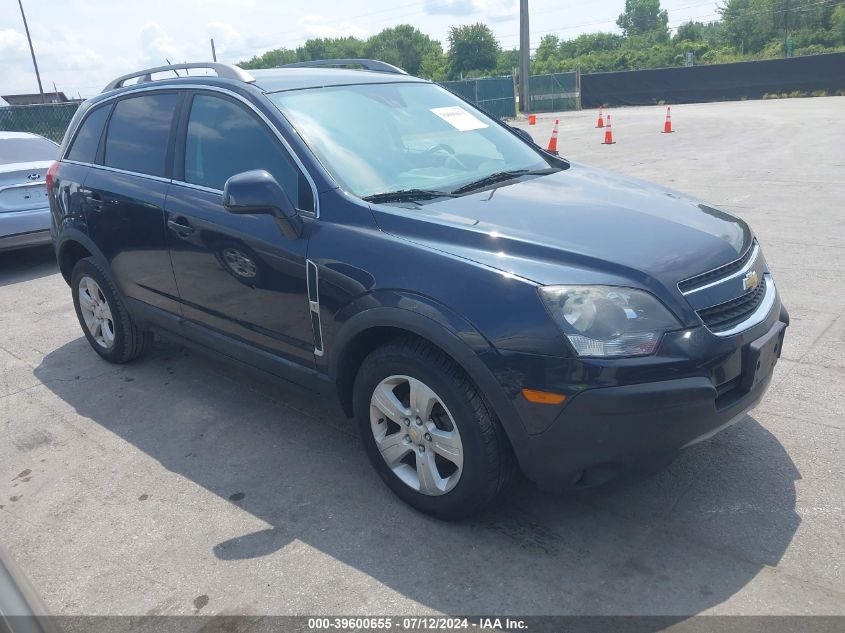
{"x": 378, "y": 138}
{"x": 27, "y": 150}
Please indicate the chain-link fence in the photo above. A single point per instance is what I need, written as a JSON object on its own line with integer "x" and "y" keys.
{"x": 49, "y": 120}
{"x": 554, "y": 92}
{"x": 494, "y": 95}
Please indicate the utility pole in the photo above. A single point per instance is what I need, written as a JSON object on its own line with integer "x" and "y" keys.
{"x": 31, "y": 51}
{"x": 213, "y": 52}
{"x": 786, "y": 30}
{"x": 524, "y": 56}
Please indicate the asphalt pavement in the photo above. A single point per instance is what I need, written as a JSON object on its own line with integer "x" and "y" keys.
{"x": 179, "y": 485}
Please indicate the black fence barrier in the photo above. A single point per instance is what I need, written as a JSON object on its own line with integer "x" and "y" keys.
{"x": 715, "y": 82}
{"x": 494, "y": 95}
{"x": 553, "y": 92}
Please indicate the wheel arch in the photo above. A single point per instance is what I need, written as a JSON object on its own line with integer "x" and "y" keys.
{"x": 367, "y": 330}
{"x": 75, "y": 245}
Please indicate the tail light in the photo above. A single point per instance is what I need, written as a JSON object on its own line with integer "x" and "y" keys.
{"x": 51, "y": 173}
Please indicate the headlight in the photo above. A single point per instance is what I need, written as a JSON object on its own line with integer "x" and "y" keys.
{"x": 608, "y": 320}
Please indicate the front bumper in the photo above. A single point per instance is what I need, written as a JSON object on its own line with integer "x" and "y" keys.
{"x": 606, "y": 432}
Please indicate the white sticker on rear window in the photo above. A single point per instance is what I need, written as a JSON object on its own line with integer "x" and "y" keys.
{"x": 459, "y": 118}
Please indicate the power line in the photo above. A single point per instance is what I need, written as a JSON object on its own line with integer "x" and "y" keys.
{"x": 336, "y": 23}
{"x": 699, "y": 17}
{"x": 278, "y": 38}
{"x": 745, "y": 14}
{"x": 602, "y": 22}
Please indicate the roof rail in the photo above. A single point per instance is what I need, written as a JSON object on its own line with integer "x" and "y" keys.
{"x": 225, "y": 71}
{"x": 366, "y": 64}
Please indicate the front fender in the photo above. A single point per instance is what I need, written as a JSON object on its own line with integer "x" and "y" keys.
{"x": 427, "y": 319}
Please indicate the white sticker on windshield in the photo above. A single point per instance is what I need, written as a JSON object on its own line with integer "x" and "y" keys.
{"x": 459, "y": 118}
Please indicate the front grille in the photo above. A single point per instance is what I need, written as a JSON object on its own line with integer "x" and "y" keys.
{"x": 726, "y": 315}
{"x": 717, "y": 273}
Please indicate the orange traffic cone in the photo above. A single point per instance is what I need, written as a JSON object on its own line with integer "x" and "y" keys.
{"x": 553, "y": 141}
{"x": 600, "y": 122}
{"x": 608, "y": 133}
{"x": 667, "y": 127}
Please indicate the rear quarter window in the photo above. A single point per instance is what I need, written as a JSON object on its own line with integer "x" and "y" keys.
{"x": 139, "y": 134}
{"x": 84, "y": 147}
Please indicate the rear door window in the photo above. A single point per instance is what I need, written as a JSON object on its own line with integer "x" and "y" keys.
{"x": 139, "y": 134}
{"x": 225, "y": 139}
{"x": 84, "y": 148}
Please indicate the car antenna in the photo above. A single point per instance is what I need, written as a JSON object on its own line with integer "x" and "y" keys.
{"x": 169, "y": 63}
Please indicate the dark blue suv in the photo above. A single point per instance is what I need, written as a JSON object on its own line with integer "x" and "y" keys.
{"x": 476, "y": 303}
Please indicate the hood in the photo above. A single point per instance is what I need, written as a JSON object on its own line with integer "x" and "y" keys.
{"x": 579, "y": 225}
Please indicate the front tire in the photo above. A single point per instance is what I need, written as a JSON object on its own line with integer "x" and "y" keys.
{"x": 428, "y": 432}
{"x": 105, "y": 321}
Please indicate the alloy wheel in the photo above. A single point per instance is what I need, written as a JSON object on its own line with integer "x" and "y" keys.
{"x": 96, "y": 312}
{"x": 416, "y": 435}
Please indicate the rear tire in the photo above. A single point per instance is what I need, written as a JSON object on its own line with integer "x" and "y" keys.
{"x": 474, "y": 462}
{"x": 105, "y": 321}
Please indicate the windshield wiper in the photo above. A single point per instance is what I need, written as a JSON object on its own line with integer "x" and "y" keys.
{"x": 408, "y": 195}
{"x": 501, "y": 176}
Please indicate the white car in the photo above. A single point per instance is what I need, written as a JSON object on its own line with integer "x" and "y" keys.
{"x": 24, "y": 208}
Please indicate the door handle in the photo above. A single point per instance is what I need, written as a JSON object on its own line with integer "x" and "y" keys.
{"x": 95, "y": 202}
{"x": 180, "y": 228}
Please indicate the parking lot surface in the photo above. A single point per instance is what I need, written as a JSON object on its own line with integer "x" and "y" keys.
{"x": 178, "y": 485}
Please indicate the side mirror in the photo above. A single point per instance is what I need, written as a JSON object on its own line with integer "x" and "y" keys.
{"x": 525, "y": 136}
{"x": 257, "y": 191}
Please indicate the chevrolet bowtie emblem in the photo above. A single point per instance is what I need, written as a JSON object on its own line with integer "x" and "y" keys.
{"x": 750, "y": 281}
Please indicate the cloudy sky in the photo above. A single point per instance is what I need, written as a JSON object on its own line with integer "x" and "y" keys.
{"x": 82, "y": 44}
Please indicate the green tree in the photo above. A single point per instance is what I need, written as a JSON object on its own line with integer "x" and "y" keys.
{"x": 644, "y": 17}
{"x": 271, "y": 59}
{"x": 434, "y": 65}
{"x": 690, "y": 32}
{"x": 748, "y": 29}
{"x": 547, "y": 56}
{"x": 508, "y": 60}
{"x": 588, "y": 43}
{"x": 331, "y": 48}
{"x": 837, "y": 23}
{"x": 404, "y": 46}
{"x": 472, "y": 49}
{"x": 750, "y": 24}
